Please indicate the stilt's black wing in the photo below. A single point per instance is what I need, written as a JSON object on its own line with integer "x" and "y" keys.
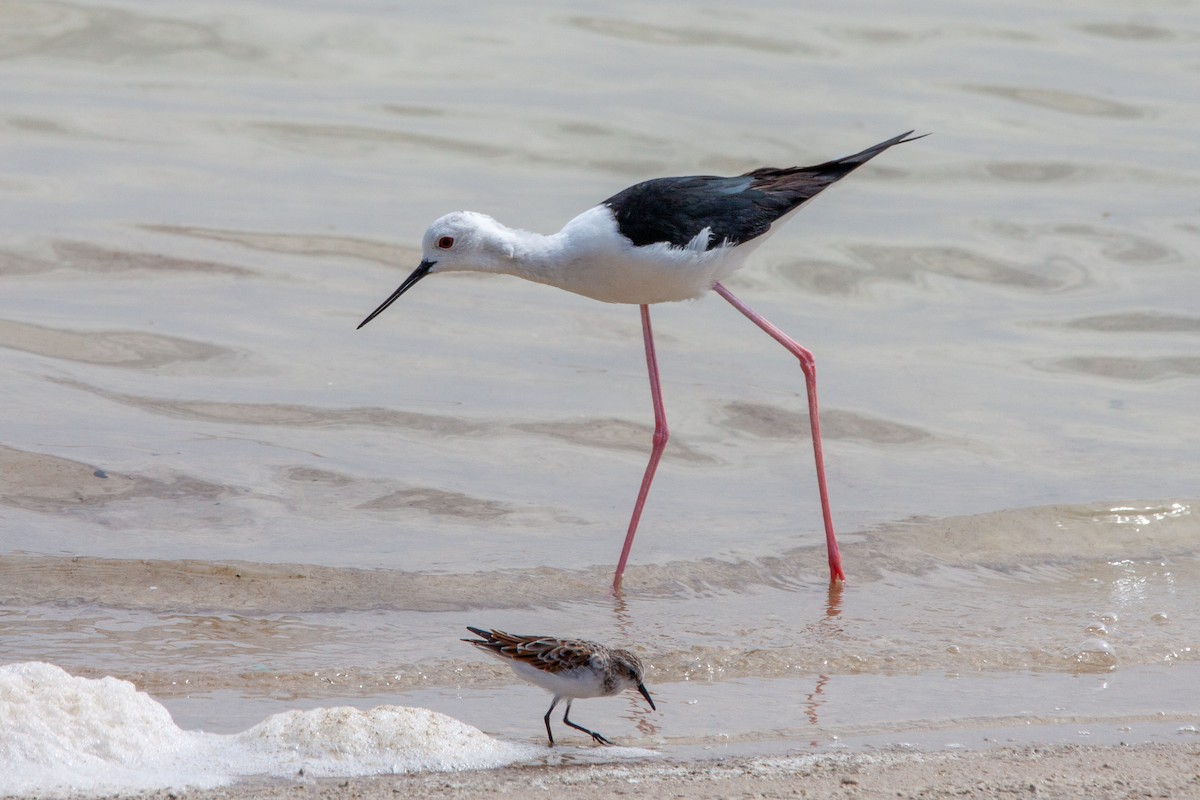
{"x": 735, "y": 210}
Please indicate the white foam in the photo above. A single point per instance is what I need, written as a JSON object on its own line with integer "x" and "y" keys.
{"x": 64, "y": 734}
{"x": 344, "y": 741}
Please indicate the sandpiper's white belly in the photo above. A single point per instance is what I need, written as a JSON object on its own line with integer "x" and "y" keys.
{"x": 576, "y": 683}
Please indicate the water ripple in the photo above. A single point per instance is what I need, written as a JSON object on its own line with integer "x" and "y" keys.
{"x": 1057, "y": 100}
{"x": 127, "y": 349}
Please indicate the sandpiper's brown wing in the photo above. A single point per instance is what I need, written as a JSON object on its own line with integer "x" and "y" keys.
{"x": 547, "y": 653}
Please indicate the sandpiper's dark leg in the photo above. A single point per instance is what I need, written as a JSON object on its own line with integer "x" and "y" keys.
{"x": 593, "y": 734}
{"x": 808, "y": 364}
{"x": 660, "y": 442}
{"x": 546, "y": 718}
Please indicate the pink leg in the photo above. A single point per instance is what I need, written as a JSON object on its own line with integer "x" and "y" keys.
{"x": 809, "y": 365}
{"x": 660, "y": 442}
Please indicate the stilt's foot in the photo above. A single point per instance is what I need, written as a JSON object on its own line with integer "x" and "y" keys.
{"x": 599, "y": 739}
{"x": 835, "y": 574}
{"x": 833, "y": 599}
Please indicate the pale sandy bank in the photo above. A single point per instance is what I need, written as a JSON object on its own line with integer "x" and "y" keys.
{"x": 1154, "y": 770}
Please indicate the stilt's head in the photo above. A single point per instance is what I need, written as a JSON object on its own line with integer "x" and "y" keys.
{"x": 627, "y": 672}
{"x": 463, "y": 240}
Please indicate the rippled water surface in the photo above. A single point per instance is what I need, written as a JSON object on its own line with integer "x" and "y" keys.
{"x": 213, "y": 485}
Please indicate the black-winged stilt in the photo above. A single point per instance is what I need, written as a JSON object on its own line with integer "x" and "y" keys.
{"x": 660, "y": 240}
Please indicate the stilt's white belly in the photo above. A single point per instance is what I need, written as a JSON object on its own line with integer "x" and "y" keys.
{"x": 606, "y": 266}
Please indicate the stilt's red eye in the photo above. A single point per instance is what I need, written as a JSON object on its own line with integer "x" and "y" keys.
{"x": 446, "y": 242}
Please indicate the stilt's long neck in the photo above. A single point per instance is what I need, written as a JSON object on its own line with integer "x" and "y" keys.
{"x": 534, "y": 256}
{"x": 572, "y": 259}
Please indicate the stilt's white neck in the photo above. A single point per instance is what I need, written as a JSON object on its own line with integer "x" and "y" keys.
{"x": 589, "y": 256}
{"x": 489, "y": 246}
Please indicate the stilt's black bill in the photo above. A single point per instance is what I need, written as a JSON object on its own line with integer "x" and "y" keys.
{"x": 642, "y": 688}
{"x": 418, "y": 273}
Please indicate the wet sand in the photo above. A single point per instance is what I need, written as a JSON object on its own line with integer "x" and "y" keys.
{"x": 1063, "y": 771}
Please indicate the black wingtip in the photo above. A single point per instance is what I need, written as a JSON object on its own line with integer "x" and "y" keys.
{"x": 866, "y": 155}
{"x": 908, "y": 137}
{"x": 487, "y": 635}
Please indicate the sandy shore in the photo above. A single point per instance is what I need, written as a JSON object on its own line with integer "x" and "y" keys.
{"x": 1156, "y": 770}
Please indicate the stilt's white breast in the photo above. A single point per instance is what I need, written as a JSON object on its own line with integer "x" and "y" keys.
{"x": 590, "y": 256}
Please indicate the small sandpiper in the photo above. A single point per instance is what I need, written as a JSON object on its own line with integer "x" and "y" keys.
{"x": 568, "y": 668}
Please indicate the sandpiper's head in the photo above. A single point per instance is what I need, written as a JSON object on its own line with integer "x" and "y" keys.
{"x": 628, "y": 673}
{"x": 462, "y": 240}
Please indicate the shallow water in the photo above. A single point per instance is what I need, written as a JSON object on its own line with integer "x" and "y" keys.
{"x": 213, "y": 485}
